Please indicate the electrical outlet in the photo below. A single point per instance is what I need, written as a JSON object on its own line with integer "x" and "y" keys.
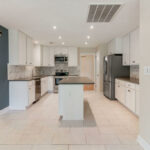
{"x": 147, "y": 70}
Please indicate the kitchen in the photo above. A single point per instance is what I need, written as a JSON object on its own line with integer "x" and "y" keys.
{"x": 74, "y": 84}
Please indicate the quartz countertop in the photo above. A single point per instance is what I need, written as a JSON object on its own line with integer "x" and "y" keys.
{"x": 76, "y": 80}
{"x": 29, "y": 79}
{"x": 129, "y": 80}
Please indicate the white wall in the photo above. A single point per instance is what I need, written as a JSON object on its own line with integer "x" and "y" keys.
{"x": 144, "y": 61}
{"x": 101, "y": 52}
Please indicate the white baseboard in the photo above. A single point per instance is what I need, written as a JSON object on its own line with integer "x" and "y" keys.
{"x": 4, "y": 110}
{"x": 143, "y": 143}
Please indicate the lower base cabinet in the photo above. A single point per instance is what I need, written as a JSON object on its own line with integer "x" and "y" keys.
{"x": 130, "y": 99}
{"x": 128, "y": 94}
{"x": 21, "y": 94}
{"x": 47, "y": 85}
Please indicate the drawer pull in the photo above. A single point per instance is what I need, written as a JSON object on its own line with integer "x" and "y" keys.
{"x": 129, "y": 91}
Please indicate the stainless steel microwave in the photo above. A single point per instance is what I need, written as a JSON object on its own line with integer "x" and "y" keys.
{"x": 61, "y": 59}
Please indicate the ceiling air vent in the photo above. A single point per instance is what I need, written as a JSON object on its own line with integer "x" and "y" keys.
{"x": 102, "y": 13}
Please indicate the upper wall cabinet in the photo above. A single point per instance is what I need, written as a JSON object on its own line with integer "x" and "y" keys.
{"x": 115, "y": 46}
{"x": 61, "y": 51}
{"x": 48, "y": 56}
{"x": 29, "y": 51}
{"x": 51, "y": 57}
{"x": 126, "y": 50}
{"x": 73, "y": 57}
{"x": 45, "y": 56}
{"x": 20, "y": 48}
{"x": 134, "y": 47}
{"x": 37, "y": 55}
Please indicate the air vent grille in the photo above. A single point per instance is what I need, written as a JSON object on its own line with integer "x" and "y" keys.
{"x": 102, "y": 13}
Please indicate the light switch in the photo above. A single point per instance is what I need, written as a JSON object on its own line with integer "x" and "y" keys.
{"x": 147, "y": 70}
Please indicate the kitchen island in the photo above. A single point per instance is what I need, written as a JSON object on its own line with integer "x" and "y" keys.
{"x": 71, "y": 97}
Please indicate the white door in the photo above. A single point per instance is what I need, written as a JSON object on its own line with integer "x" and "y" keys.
{"x": 87, "y": 66}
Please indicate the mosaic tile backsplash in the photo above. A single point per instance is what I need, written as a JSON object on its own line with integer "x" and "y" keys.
{"x": 20, "y": 72}
{"x": 134, "y": 72}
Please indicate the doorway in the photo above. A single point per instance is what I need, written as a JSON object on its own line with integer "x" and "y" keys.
{"x": 87, "y": 69}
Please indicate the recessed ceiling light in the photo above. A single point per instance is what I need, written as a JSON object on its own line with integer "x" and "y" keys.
{"x": 88, "y": 37}
{"x": 91, "y": 27}
{"x": 59, "y": 37}
{"x": 36, "y": 42}
{"x": 85, "y": 43}
{"x": 63, "y": 43}
{"x": 54, "y": 27}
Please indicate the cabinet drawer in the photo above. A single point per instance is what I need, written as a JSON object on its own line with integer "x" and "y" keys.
{"x": 130, "y": 85}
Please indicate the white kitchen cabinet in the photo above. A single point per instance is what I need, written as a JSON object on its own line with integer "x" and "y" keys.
{"x": 120, "y": 91}
{"x": 37, "y": 55}
{"x": 137, "y": 109}
{"x": 61, "y": 51}
{"x": 21, "y": 94}
{"x": 31, "y": 91}
{"x": 29, "y": 51}
{"x": 50, "y": 83}
{"x": 128, "y": 94}
{"x": 115, "y": 46}
{"x": 130, "y": 99}
{"x": 20, "y": 48}
{"x": 51, "y": 57}
{"x": 126, "y": 50}
{"x": 134, "y": 47}
{"x": 44, "y": 85}
{"x": 73, "y": 57}
{"x": 45, "y": 56}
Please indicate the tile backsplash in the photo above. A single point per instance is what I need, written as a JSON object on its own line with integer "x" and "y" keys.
{"x": 19, "y": 72}
{"x": 134, "y": 72}
{"x": 16, "y": 72}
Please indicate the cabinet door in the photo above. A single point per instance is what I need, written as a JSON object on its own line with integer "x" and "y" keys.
{"x": 31, "y": 94}
{"x": 126, "y": 50}
{"x": 130, "y": 99}
{"x": 22, "y": 48}
{"x": 73, "y": 57}
{"x": 42, "y": 87}
{"x": 137, "y": 111}
{"x": 37, "y": 57}
{"x": 134, "y": 47}
{"x": 50, "y": 84}
{"x": 45, "y": 56}
{"x": 122, "y": 94}
{"x": 29, "y": 51}
{"x": 51, "y": 57}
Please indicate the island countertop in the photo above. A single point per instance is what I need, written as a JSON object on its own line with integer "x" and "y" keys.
{"x": 76, "y": 80}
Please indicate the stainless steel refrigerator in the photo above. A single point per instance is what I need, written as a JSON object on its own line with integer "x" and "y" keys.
{"x": 113, "y": 68}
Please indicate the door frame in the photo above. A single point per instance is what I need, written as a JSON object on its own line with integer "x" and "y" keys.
{"x": 87, "y": 54}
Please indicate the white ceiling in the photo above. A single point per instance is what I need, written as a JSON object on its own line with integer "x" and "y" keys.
{"x": 36, "y": 18}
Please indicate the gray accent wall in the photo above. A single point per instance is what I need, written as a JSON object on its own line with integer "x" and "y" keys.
{"x": 4, "y": 84}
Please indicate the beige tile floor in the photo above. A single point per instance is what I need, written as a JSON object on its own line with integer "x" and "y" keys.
{"x": 107, "y": 126}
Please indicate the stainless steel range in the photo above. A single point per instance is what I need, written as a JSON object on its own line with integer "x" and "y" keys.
{"x": 59, "y": 75}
